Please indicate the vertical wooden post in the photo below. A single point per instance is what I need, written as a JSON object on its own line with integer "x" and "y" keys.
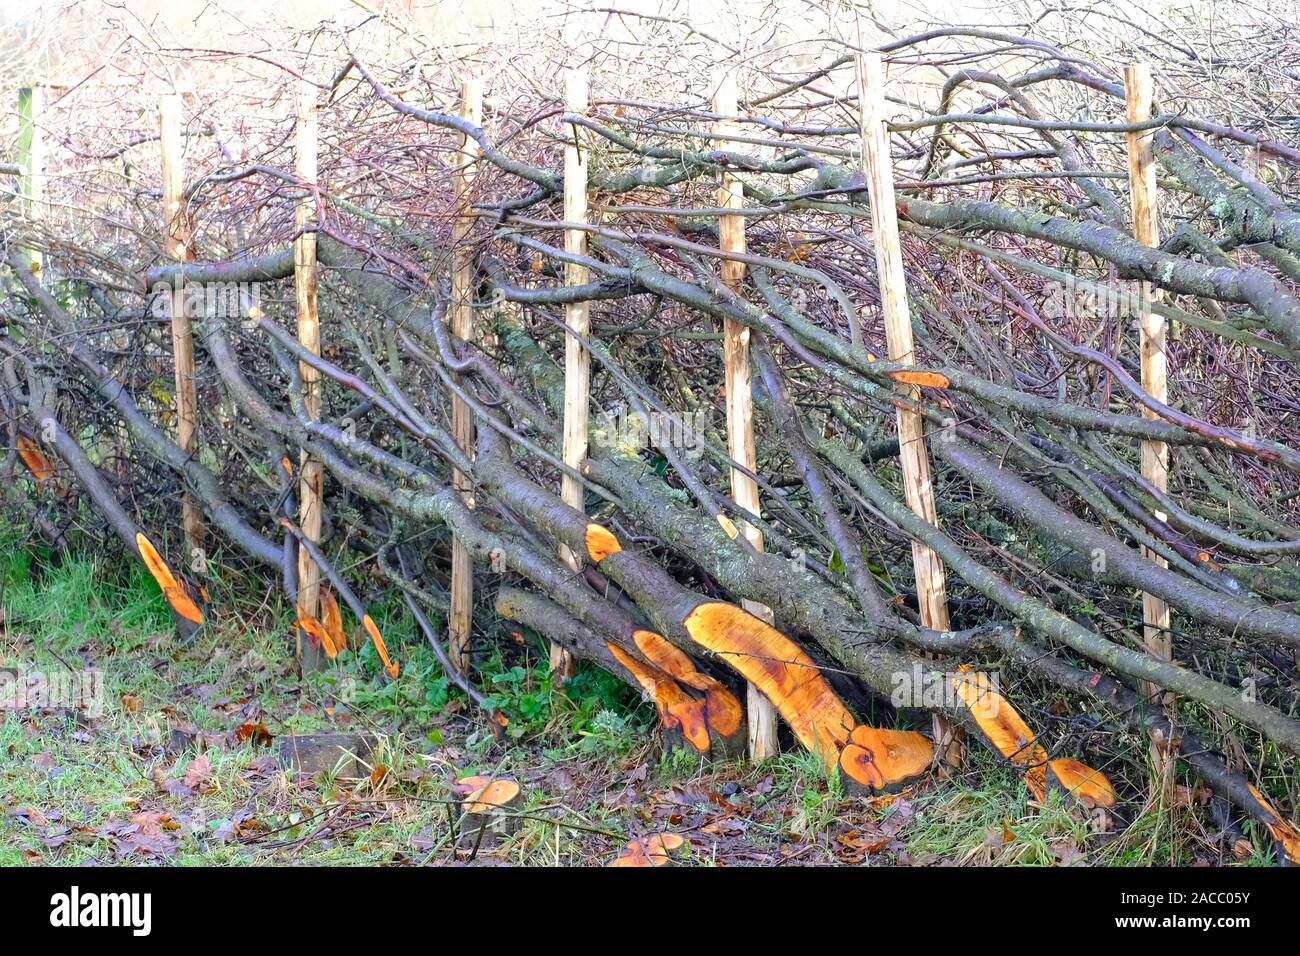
{"x": 178, "y": 247}
{"x": 577, "y": 361}
{"x": 460, "y": 623}
{"x": 311, "y": 473}
{"x": 740, "y": 401}
{"x": 31, "y": 158}
{"x": 917, "y": 486}
{"x": 1139, "y": 90}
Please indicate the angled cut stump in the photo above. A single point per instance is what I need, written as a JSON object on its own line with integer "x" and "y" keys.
{"x": 1286, "y": 837}
{"x": 1006, "y": 732}
{"x": 696, "y": 710}
{"x": 709, "y": 724}
{"x": 880, "y": 760}
{"x": 184, "y": 599}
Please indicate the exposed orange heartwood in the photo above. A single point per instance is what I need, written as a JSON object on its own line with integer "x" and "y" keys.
{"x": 600, "y": 543}
{"x": 173, "y": 590}
{"x": 1008, "y": 734}
{"x": 42, "y": 468}
{"x": 918, "y": 377}
{"x": 881, "y": 759}
{"x": 779, "y": 668}
{"x": 332, "y": 619}
{"x": 725, "y": 712}
{"x": 373, "y": 630}
{"x": 677, "y": 709}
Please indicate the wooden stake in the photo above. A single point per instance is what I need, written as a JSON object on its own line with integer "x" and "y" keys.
{"x": 740, "y": 402}
{"x": 178, "y": 247}
{"x": 31, "y": 160}
{"x": 1139, "y": 90}
{"x": 577, "y": 361}
{"x": 311, "y": 474}
{"x": 461, "y": 620}
{"x": 930, "y": 586}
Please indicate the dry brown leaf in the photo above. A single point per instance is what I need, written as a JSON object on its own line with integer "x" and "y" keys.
{"x": 199, "y": 774}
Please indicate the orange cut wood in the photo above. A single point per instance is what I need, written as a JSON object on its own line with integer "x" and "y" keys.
{"x": 42, "y": 468}
{"x": 919, "y": 377}
{"x": 486, "y": 805}
{"x": 725, "y": 712}
{"x": 1090, "y": 787}
{"x": 631, "y": 856}
{"x": 332, "y": 620}
{"x": 654, "y": 850}
{"x": 483, "y": 794}
{"x": 881, "y": 759}
{"x": 600, "y": 542}
{"x": 780, "y": 669}
{"x": 677, "y": 709}
{"x": 1283, "y": 831}
{"x": 154, "y": 562}
{"x": 665, "y": 655}
{"x": 645, "y": 675}
{"x": 1004, "y": 729}
{"x": 665, "y": 842}
{"x": 373, "y": 630}
{"x": 802, "y": 251}
{"x": 309, "y": 625}
{"x": 184, "y": 605}
{"x": 172, "y": 589}
{"x": 688, "y": 713}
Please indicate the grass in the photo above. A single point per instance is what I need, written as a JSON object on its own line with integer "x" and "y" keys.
{"x": 79, "y": 789}
{"x": 990, "y": 819}
{"x": 122, "y": 787}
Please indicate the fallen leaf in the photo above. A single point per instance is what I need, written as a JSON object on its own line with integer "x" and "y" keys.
{"x": 199, "y": 774}
{"x": 1067, "y": 854}
{"x": 30, "y": 815}
{"x": 225, "y": 831}
{"x": 45, "y": 761}
{"x": 178, "y": 788}
{"x": 561, "y": 780}
{"x": 265, "y": 765}
{"x": 147, "y": 834}
{"x": 254, "y": 731}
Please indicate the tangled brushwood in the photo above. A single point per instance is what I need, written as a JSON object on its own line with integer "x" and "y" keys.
{"x": 428, "y": 423}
